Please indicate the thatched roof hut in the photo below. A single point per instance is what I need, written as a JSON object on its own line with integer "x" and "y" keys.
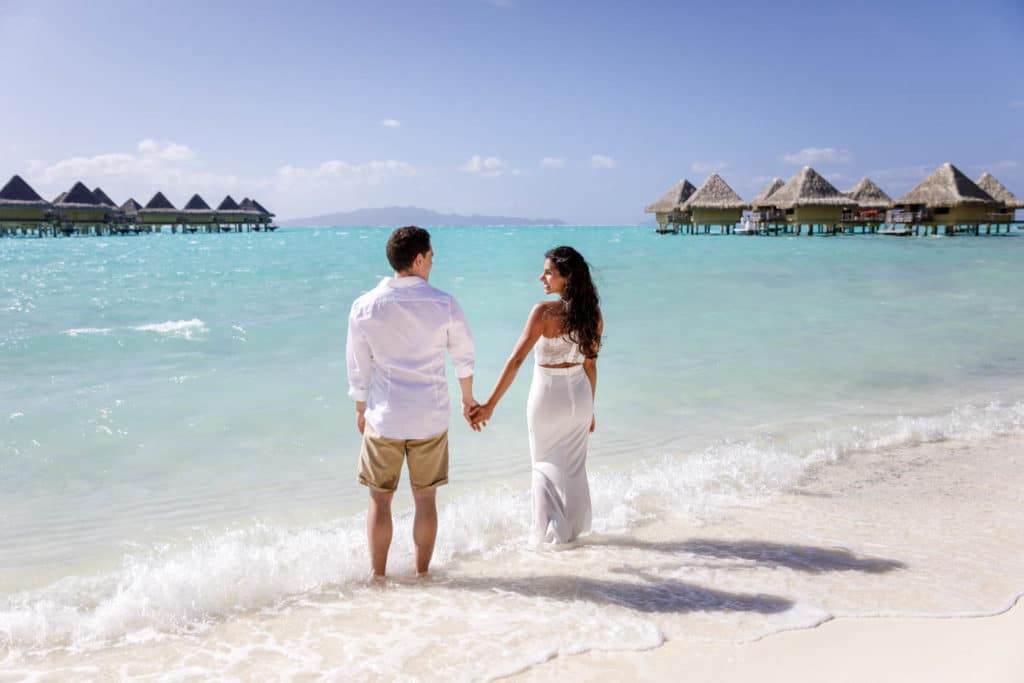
{"x": 673, "y": 199}
{"x": 79, "y": 196}
{"x": 948, "y": 197}
{"x": 158, "y": 211}
{"x": 715, "y": 193}
{"x": 197, "y": 203}
{"x": 259, "y": 207}
{"x": 229, "y": 204}
{"x": 946, "y": 187}
{"x": 770, "y": 189}
{"x": 197, "y": 211}
{"x": 714, "y": 203}
{"x": 80, "y": 205}
{"x": 868, "y": 195}
{"x": 229, "y": 212}
{"x": 102, "y": 198}
{"x": 248, "y": 207}
{"x": 998, "y": 192}
{"x": 806, "y": 189}
{"x": 19, "y": 202}
{"x": 131, "y": 207}
{"x": 159, "y": 203}
{"x": 19, "y": 193}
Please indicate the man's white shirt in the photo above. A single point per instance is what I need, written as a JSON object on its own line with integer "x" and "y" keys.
{"x": 398, "y": 334}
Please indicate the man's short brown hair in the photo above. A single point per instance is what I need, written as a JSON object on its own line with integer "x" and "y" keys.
{"x": 405, "y": 244}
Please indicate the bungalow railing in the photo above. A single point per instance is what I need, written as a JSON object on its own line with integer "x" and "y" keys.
{"x": 906, "y": 216}
{"x": 862, "y": 216}
{"x": 767, "y": 215}
{"x": 1001, "y": 216}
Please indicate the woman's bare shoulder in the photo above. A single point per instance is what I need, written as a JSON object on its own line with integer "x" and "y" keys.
{"x": 549, "y": 308}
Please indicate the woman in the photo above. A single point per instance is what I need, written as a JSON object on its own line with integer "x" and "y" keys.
{"x": 566, "y": 337}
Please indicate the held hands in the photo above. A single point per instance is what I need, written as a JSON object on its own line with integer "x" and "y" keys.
{"x": 479, "y": 416}
{"x": 468, "y": 406}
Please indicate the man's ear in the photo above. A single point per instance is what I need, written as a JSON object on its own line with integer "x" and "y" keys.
{"x": 418, "y": 262}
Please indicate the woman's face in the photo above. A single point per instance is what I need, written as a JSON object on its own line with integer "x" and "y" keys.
{"x": 554, "y": 282}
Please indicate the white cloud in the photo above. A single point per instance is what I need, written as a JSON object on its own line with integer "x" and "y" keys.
{"x": 602, "y": 161}
{"x": 1017, "y": 104}
{"x": 168, "y": 151}
{"x": 709, "y": 166}
{"x": 817, "y": 155}
{"x": 901, "y": 174}
{"x": 489, "y": 167}
{"x": 335, "y": 172}
{"x": 1005, "y": 165}
{"x": 155, "y": 165}
{"x": 391, "y": 123}
{"x": 552, "y": 162}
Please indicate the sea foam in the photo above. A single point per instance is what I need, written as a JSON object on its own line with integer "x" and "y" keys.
{"x": 178, "y": 588}
{"x": 175, "y": 328}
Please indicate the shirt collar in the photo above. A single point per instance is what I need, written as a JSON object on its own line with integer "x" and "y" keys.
{"x": 402, "y": 282}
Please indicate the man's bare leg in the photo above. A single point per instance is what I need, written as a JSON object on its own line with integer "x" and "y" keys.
{"x": 424, "y": 527}
{"x": 379, "y": 529}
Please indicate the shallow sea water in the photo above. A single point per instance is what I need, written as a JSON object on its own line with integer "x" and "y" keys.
{"x": 788, "y": 429}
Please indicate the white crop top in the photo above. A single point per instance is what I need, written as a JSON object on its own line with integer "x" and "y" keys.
{"x": 555, "y": 350}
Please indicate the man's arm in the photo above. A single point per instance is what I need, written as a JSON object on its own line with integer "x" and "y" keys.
{"x": 359, "y": 360}
{"x": 460, "y": 347}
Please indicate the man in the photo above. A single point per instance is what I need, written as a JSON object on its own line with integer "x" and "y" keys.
{"x": 398, "y": 334}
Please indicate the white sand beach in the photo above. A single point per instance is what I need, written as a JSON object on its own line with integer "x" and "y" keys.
{"x": 881, "y": 650}
{"x": 951, "y": 501}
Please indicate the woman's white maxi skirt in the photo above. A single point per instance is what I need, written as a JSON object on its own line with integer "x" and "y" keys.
{"x": 558, "y": 413}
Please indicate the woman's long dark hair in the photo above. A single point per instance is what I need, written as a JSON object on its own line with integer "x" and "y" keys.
{"x": 582, "y": 305}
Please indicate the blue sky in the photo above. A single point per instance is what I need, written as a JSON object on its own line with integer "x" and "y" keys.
{"x": 584, "y": 111}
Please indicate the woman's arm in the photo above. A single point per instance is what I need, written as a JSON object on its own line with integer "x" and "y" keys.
{"x": 531, "y": 332}
{"x": 590, "y": 367}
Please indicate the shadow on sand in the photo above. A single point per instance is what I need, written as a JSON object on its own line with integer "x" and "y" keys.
{"x": 811, "y": 559}
{"x": 653, "y": 594}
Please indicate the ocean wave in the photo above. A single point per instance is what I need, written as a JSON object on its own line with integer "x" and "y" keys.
{"x": 175, "y": 328}
{"x": 179, "y": 588}
{"x": 79, "y": 331}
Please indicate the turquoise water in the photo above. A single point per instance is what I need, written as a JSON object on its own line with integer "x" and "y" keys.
{"x": 158, "y": 388}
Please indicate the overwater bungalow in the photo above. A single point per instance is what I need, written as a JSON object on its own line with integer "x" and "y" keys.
{"x": 256, "y": 216}
{"x": 714, "y": 203}
{"x": 267, "y": 217}
{"x": 158, "y": 212}
{"x": 946, "y": 198}
{"x": 1005, "y": 213}
{"x": 252, "y": 215}
{"x": 131, "y": 209}
{"x": 78, "y": 210}
{"x": 197, "y": 214}
{"x": 766, "y": 216}
{"x": 21, "y": 208}
{"x": 229, "y": 214}
{"x": 872, "y": 203}
{"x": 808, "y": 200}
{"x": 102, "y": 197}
{"x": 668, "y": 210}
{"x": 114, "y": 214}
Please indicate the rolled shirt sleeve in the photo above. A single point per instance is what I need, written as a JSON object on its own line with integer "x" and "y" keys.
{"x": 359, "y": 360}
{"x": 460, "y": 342}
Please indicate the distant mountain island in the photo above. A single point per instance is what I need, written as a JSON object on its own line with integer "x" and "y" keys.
{"x": 394, "y": 216}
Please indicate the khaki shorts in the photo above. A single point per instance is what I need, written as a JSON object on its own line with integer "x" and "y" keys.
{"x": 380, "y": 461}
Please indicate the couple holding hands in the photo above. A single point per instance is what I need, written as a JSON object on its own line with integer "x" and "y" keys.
{"x": 398, "y": 335}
